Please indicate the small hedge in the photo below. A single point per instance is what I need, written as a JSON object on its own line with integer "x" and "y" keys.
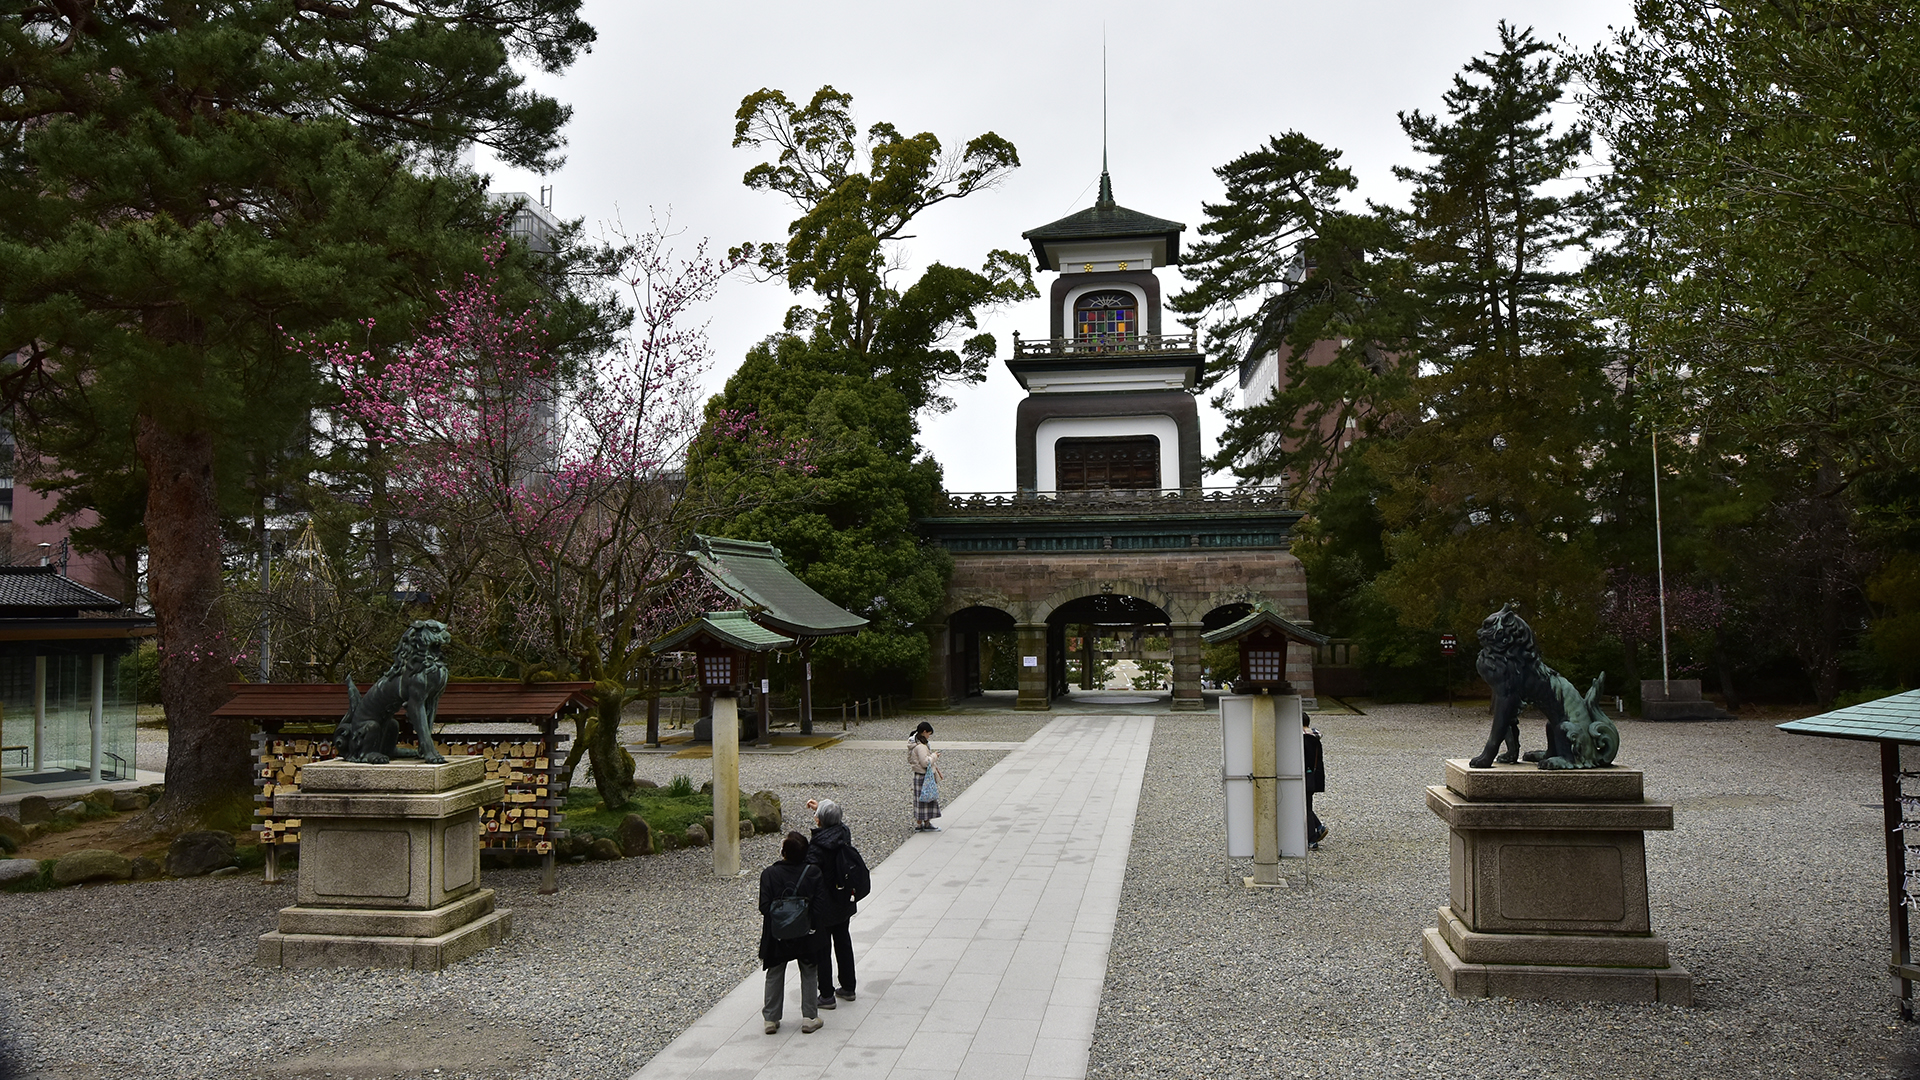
{"x": 667, "y": 811}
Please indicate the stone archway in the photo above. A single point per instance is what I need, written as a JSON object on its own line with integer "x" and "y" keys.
{"x": 1187, "y": 584}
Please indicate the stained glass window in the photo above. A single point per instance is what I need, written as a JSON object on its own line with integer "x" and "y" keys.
{"x": 1106, "y": 316}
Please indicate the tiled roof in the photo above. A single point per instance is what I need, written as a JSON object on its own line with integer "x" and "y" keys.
{"x": 461, "y": 701}
{"x": 1236, "y": 631}
{"x": 42, "y": 587}
{"x": 733, "y": 628}
{"x": 1105, "y": 220}
{"x": 1890, "y": 719}
{"x": 754, "y": 574}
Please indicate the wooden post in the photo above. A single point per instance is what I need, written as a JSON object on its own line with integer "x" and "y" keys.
{"x": 273, "y": 864}
{"x": 806, "y": 689}
{"x": 726, "y": 785}
{"x": 763, "y": 700}
{"x": 1896, "y": 873}
{"x": 653, "y": 716}
{"x": 1266, "y": 794}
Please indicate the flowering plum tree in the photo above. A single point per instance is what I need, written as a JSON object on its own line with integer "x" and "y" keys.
{"x": 546, "y": 500}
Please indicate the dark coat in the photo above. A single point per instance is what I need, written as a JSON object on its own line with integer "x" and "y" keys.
{"x": 1316, "y": 763}
{"x": 824, "y": 851}
{"x": 777, "y": 881}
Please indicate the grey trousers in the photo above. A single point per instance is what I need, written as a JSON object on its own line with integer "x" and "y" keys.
{"x": 776, "y": 997}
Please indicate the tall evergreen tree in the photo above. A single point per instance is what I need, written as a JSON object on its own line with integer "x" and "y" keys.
{"x": 1281, "y": 267}
{"x": 1486, "y": 479}
{"x": 853, "y": 373}
{"x": 183, "y": 185}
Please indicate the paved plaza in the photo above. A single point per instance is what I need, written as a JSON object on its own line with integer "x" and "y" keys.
{"x": 983, "y": 948}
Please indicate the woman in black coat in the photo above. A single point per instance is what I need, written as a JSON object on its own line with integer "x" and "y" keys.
{"x": 791, "y": 876}
{"x": 832, "y": 844}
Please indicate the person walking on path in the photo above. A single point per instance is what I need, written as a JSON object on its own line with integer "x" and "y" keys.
{"x": 923, "y": 758}
{"x": 1316, "y": 779}
{"x": 847, "y": 880}
{"x": 789, "y": 877}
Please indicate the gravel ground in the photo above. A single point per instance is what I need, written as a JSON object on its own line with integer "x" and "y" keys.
{"x": 156, "y": 979}
{"x": 1770, "y": 889}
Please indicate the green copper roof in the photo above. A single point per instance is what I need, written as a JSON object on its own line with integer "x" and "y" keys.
{"x": 1235, "y": 631}
{"x": 754, "y": 574}
{"x": 733, "y": 628}
{"x": 1105, "y": 220}
{"x": 1890, "y": 719}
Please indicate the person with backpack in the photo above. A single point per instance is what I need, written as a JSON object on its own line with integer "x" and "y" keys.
{"x": 847, "y": 883}
{"x": 790, "y": 896}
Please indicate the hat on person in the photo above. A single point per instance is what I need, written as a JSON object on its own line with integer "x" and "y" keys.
{"x": 827, "y": 813}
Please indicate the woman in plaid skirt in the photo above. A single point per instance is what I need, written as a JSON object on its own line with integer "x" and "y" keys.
{"x": 923, "y": 757}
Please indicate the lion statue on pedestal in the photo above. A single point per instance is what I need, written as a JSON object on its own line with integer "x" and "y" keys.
{"x": 369, "y": 733}
{"x": 1579, "y": 735}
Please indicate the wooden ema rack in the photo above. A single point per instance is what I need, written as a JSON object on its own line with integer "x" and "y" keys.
{"x": 296, "y": 722}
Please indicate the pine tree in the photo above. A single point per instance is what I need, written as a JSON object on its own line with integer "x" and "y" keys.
{"x": 182, "y": 187}
{"x": 1487, "y": 478}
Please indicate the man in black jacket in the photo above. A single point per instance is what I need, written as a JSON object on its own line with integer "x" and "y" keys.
{"x": 1316, "y": 778}
{"x": 844, "y": 876}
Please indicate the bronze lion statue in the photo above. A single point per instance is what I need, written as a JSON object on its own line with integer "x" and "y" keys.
{"x": 1579, "y": 735}
{"x": 370, "y": 732}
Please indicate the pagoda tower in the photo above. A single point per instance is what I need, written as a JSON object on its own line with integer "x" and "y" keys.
{"x": 1109, "y": 403}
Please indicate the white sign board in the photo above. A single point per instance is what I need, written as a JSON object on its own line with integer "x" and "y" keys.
{"x": 1290, "y": 747}
{"x": 1236, "y": 766}
{"x": 1030, "y": 661}
{"x": 1236, "y": 769}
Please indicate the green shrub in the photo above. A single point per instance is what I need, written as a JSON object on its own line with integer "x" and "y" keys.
{"x": 668, "y": 814}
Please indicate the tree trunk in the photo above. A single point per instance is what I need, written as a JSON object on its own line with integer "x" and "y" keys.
{"x": 612, "y": 764}
{"x": 209, "y": 782}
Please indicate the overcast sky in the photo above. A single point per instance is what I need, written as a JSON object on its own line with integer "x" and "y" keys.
{"x": 1192, "y": 85}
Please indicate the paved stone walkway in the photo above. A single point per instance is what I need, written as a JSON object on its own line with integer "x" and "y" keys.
{"x": 982, "y": 950}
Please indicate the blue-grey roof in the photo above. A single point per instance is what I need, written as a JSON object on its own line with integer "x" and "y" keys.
{"x": 1890, "y": 719}
{"x": 39, "y": 588}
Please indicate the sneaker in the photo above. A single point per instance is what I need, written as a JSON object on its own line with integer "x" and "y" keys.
{"x": 826, "y": 1002}
{"x": 811, "y": 1024}
{"x": 844, "y": 995}
{"x": 773, "y": 1026}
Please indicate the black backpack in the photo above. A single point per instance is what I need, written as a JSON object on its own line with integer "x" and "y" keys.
{"x": 788, "y": 917}
{"x": 853, "y": 872}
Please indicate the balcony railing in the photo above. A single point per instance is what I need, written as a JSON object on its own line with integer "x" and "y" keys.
{"x": 1103, "y": 345}
{"x": 1016, "y": 504}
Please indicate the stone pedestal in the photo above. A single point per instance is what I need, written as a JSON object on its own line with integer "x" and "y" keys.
{"x": 389, "y": 867}
{"x": 1549, "y": 887}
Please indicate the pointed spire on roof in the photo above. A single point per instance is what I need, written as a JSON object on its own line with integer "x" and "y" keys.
{"x": 1106, "y": 187}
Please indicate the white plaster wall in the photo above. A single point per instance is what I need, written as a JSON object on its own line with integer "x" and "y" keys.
{"x": 1053, "y": 430}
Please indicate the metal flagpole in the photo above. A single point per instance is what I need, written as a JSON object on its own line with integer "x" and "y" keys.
{"x": 1660, "y": 564}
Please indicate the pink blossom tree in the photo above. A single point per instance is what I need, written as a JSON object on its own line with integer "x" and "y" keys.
{"x": 546, "y": 498}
